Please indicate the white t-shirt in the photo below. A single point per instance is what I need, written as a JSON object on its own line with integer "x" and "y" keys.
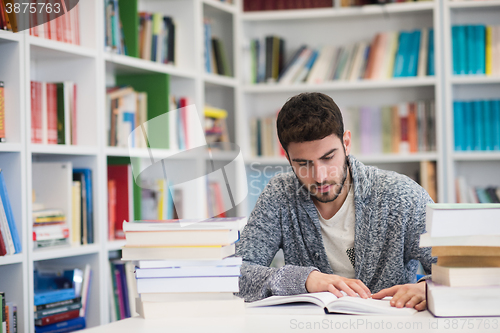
{"x": 338, "y": 238}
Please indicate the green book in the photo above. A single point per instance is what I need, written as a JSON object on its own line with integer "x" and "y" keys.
{"x": 129, "y": 18}
{"x": 61, "y": 135}
{"x": 386, "y": 130}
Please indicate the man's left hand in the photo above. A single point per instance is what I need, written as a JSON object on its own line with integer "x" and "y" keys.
{"x": 411, "y": 295}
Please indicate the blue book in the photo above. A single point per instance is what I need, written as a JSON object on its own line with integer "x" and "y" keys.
{"x": 430, "y": 55}
{"x": 62, "y": 327}
{"x": 413, "y": 51}
{"x": 456, "y": 52}
{"x": 480, "y": 42}
{"x": 129, "y": 117}
{"x": 458, "y": 125}
{"x": 461, "y": 50}
{"x": 52, "y": 296}
{"x": 469, "y": 126}
{"x": 495, "y": 108}
{"x": 400, "y": 54}
{"x": 470, "y": 39}
{"x": 4, "y": 196}
{"x": 123, "y": 277}
{"x": 482, "y": 196}
{"x": 87, "y": 175}
{"x": 477, "y": 107}
{"x": 208, "y": 47}
{"x": 487, "y": 125}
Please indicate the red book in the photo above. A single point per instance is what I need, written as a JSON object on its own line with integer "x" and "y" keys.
{"x": 3, "y": 249}
{"x": 122, "y": 176}
{"x": 76, "y": 24}
{"x": 412, "y": 128}
{"x": 36, "y": 112}
{"x": 183, "y": 103}
{"x": 51, "y": 113}
{"x": 111, "y": 209}
{"x": 57, "y": 318}
{"x": 59, "y": 27}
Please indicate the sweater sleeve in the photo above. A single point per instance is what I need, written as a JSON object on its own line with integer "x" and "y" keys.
{"x": 259, "y": 243}
{"x": 415, "y": 229}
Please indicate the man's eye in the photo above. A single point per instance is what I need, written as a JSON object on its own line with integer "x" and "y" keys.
{"x": 302, "y": 164}
{"x": 329, "y": 158}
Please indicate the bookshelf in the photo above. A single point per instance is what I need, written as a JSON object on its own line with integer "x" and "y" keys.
{"x": 478, "y": 167}
{"x": 27, "y": 58}
{"x": 314, "y": 28}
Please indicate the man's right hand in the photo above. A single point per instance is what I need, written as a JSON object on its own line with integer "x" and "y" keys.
{"x": 317, "y": 282}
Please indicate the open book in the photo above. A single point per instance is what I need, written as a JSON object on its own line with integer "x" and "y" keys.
{"x": 333, "y": 304}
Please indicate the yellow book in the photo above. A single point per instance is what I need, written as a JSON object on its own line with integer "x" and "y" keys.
{"x": 161, "y": 200}
{"x": 76, "y": 219}
{"x": 393, "y": 41}
{"x": 212, "y": 112}
{"x": 489, "y": 51}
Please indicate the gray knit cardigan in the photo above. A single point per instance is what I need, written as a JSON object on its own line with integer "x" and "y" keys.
{"x": 389, "y": 218}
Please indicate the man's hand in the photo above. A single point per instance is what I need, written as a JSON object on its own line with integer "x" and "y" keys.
{"x": 411, "y": 295}
{"x": 317, "y": 281}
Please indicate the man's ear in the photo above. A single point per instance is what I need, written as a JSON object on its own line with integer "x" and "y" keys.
{"x": 346, "y": 140}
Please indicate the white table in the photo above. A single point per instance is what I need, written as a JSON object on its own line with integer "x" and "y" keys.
{"x": 302, "y": 318}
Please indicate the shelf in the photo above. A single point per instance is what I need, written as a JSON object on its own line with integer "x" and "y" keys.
{"x": 115, "y": 245}
{"x": 225, "y": 7}
{"x": 49, "y": 49}
{"x": 64, "y": 251}
{"x": 317, "y": 13}
{"x": 122, "y": 64}
{"x": 263, "y": 88}
{"x": 63, "y": 149}
{"x": 142, "y": 152}
{"x": 477, "y": 156}
{"x": 377, "y": 158}
{"x": 11, "y": 259}
{"x": 474, "y": 79}
{"x": 10, "y": 147}
{"x": 219, "y": 80}
{"x": 10, "y": 36}
{"x": 473, "y": 4}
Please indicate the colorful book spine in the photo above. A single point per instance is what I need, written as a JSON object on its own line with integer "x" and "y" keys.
{"x": 4, "y": 196}
{"x": 64, "y": 326}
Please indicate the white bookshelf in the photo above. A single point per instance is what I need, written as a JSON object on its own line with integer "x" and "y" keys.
{"x": 316, "y": 27}
{"x": 480, "y": 168}
{"x": 27, "y": 58}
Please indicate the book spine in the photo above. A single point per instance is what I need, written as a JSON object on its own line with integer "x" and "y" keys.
{"x": 59, "y": 310}
{"x": 57, "y": 304}
{"x": 56, "y": 318}
{"x": 54, "y": 296}
{"x": 2, "y": 112}
{"x": 4, "y": 196}
{"x": 64, "y": 326}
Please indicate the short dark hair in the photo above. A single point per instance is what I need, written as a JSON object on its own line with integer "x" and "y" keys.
{"x": 309, "y": 117}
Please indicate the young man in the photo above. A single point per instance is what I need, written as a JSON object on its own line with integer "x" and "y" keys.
{"x": 343, "y": 226}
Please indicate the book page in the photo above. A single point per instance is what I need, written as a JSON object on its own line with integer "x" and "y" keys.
{"x": 358, "y": 305}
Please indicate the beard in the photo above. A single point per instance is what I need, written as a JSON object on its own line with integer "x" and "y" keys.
{"x": 335, "y": 187}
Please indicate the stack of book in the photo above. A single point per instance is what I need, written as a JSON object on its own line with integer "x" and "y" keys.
{"x": 8, "y": 315}
{"x": 53, "y": 112}
{"x": 60, "y": 298}
{"x": 50, "y": 228}
{"x": 216, "y": 132}
{"x": 57, "y": 21}
{"x": 476, "y": 49}
{"x": 466, "y": 278}
{"x": 113, "y": 31}
{"x": 185, "y": 266}
{"x": 476, "y": 125}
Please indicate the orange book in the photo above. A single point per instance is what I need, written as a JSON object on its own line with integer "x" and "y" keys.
{"x": 111, "y": 209}
{"x": 469, "y": 261}
{"x": 485, "y": 251}
{"x": 371, "y": 56}
{"x": 396, "y": 129}
{"x": 412, "y": 128}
